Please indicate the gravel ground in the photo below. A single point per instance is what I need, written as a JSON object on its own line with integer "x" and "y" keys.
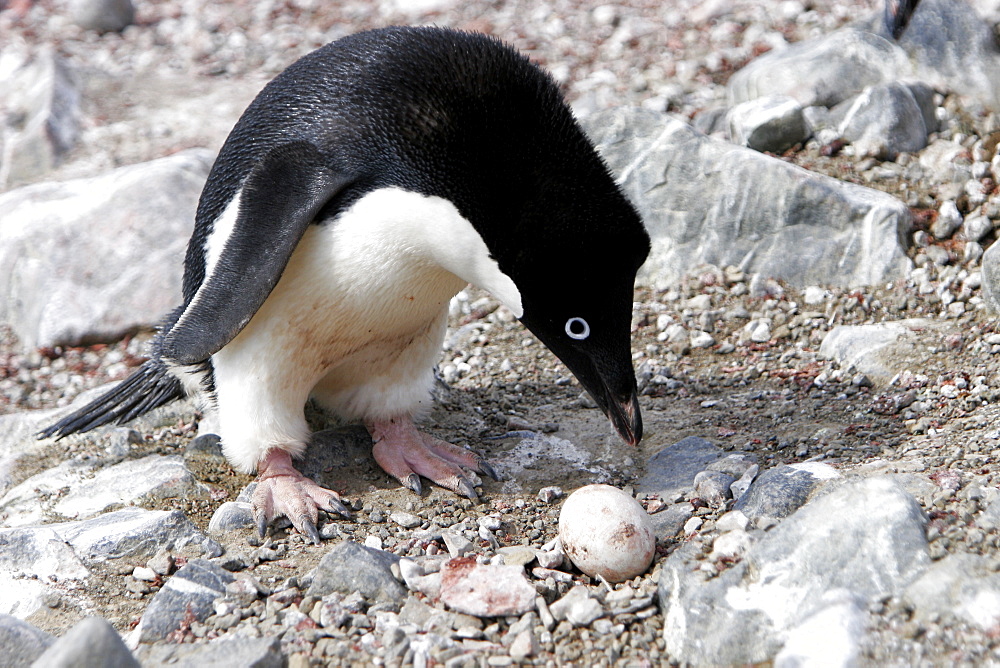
{"x": 747, "y": 389}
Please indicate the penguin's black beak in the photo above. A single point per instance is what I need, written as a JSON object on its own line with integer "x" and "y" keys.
{"x": 610, "y": 381}
{"x": 624, "y": 415}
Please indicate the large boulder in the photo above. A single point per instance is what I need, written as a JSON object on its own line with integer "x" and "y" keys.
{"x": 707, "y": 201}
{"x": 92, "y": 259}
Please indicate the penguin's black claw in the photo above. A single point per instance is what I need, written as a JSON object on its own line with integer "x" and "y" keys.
{"x": 262, "y": 523}
{"x": 335, "y": 506}
{"x": 308, "y": 528}
{"x": 465, "y": 488}
{"x": 412, "y": 482}
{"x": 485, "y": 468}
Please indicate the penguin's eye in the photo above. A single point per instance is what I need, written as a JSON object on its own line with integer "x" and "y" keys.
{"x": 577, "y": 328}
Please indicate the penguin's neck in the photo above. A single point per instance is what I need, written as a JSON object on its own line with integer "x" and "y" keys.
{"x": 402, "y": 232}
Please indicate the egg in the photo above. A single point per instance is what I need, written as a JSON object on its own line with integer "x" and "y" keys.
{"x": 605, "y": 532}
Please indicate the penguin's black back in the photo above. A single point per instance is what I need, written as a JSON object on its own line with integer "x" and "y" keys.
{"x": 440, "y": 112}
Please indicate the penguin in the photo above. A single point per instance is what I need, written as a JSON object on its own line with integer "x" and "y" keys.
{"x": 364, "y": 187}
{"x": 896, "y": 16}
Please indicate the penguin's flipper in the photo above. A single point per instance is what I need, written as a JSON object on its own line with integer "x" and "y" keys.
{"x": 279, "y": 199}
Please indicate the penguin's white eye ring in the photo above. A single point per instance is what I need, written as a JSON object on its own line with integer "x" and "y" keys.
{"x": 577, "y": 328}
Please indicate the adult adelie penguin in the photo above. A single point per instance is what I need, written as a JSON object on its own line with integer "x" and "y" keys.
{"x": 363, "y": 188}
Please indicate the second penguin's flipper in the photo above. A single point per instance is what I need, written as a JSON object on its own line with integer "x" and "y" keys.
{"x": 278, "y": 201}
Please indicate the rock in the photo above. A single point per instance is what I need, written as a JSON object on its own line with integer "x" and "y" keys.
{"x": 578, "y": 607}
{"x": 185, "y": 597}
{"x": 780, "y": 491}
{"x": 23, "y": 504}
{"x": 730, "y": 546}
{"x": 823, "y": 71}
{"x": 485, "y": 590}
{"x": 22, "y": 643}
{"x": 727, "y": 205}
{"x": 34, "y": 562}
{"x": 41, "y": 107}
{"x": 350, "y": 567}
{"x": 405, "y": 520}
{"x": 516, "y": 555}
{"x": 416, "y": 580}
{"x": 102, "y": 15}
{"x": 668, "y": 522}
{"x": 773, "y": 123}
{"x": 91, "y": 643}
{"x": 713, "y": 486}
{"x": 948, "y": 220}
{"x": 879, "y": 351}
{"x": 884, "y": 121}
{"x": 954, "y": 49}
{"x": 134, "y": 533}
{"x": 991, "y": 278}
{"x": 831, "y": 636}
{"x": 962, "y": 584}
{"x": 240, "y": 651}
{"x": 232, "y": 516}
{"x": 61, "y": 283}
{"x": 670, "y": 473}
{"x": 864, "y": 536}
{"x": 149, "y": 479}
{"x": 605, "y": 532}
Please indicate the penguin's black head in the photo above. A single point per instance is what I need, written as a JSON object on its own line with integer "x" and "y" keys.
{"x": 577, "y": 292}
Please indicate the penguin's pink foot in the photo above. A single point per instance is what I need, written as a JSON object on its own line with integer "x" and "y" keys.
{"x": 282, "y": 490}
{"x": 406, "y": 454}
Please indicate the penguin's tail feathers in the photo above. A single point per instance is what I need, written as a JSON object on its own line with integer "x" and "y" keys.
{"x": 148, "y": 388}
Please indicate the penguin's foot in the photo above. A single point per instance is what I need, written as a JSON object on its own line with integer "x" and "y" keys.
{"x": 282, "y": 490}
{"x": 406, "y": 454}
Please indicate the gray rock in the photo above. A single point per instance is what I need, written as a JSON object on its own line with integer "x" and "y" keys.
{"x": 149, "y": 479}
{"x": 62, "y": 283}
{"x": 132, "y": 533}
{"x": 706, "y": 201}
{"x": 578, "y": 607}
{"x": 102, "y": 15}
{"x": 186, "y": 596}
{"x": 863, "y": 536}
{"x": 954, "y": 49}
{"x": 884, "y": 121}
{"x": 991, "y": 278}
{"x": 966, "y": 585}
{"x": 22, "y": 643}
{"x": 879, "y": 351}
{"x": 948, "y": 220}
{"x": 350, "y": 567}
{"x": 24, "y": 504}
{"x": 773, "y": 123}
{"x": 91, "y": 643}
{"x": 831, "y": 636}
{"x": 671, "y": 472}
{"x": 224, "y": 653}
{"x": 232, "y": 516}
{"x": 780, "y": 491}
{"x": 713, "y": 486}
{"x": 824, "y": 71}
{"x": 34, "y": 564}
{"x": 41, "y": 107}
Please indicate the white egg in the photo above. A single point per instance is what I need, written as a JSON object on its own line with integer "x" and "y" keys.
{"x": 604, "y": 531}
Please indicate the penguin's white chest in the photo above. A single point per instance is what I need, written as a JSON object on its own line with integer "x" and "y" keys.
{"x": 364, "y": 287}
